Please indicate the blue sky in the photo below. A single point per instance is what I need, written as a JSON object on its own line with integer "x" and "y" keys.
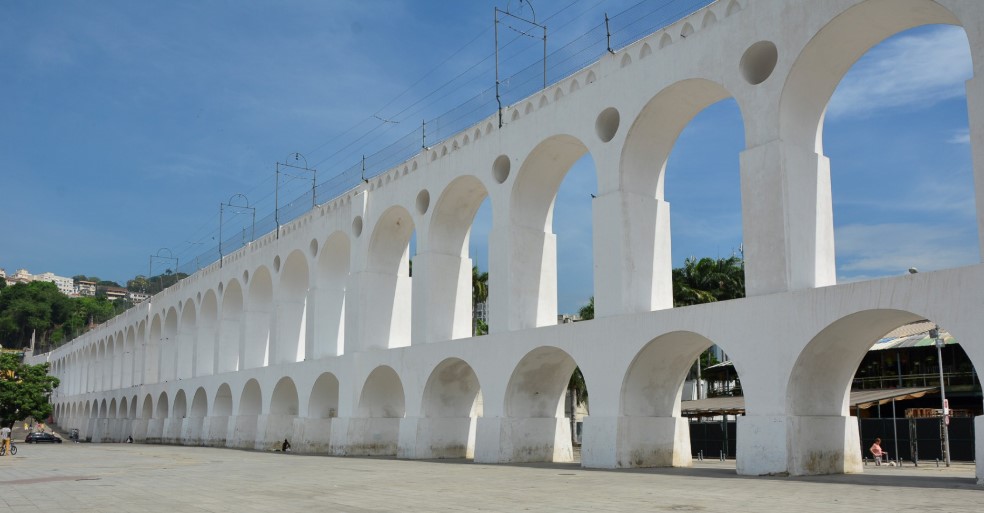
{"x": 123, "y": 125}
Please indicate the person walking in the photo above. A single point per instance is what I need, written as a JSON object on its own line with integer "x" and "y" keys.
{"x": 877, "y": 451}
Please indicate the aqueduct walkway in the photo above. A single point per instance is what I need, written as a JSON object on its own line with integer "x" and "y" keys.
{"x": 318, "y": 333}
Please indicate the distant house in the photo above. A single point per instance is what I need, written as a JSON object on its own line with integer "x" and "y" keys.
{"x": 137, "y": 297}
{"x": 114, "y": 293}
{"x": 85, "y": 288}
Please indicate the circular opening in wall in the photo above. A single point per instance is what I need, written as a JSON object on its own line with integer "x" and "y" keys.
{"x": 500, "y": 168}
{"x": 607, "y": 124}
{"x": 758, "y": 62}
{"x": 423, "y": 201}
{"x": 314, "y": 247}
{"x": 245, "y": 277}
{"x": 276, "y": 263}
{"x": 221, "y": 288}
{"x": 357, "y": 226}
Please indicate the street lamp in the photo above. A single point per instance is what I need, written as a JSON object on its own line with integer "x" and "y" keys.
{"x": 935, "y": 334}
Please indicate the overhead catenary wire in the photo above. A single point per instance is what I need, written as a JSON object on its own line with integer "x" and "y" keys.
{"x": 347, "y": 146}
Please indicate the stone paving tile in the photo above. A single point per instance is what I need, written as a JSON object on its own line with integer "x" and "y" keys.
{"x": 151, "y": 478}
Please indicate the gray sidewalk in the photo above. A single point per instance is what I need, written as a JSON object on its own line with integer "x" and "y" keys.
{"x": 134, "y": 477}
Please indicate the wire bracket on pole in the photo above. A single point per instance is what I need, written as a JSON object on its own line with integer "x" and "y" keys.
{"x": 244, "y": 207}
{"x": 608, "y": 35}
{"x": 314, "y": 183}
{"x": 495, "y": 26}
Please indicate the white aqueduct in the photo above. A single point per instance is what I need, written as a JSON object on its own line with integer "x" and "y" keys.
{"x": 318, "y": 334}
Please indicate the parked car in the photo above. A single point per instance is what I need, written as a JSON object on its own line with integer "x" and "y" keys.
{"x": 42, "y": 437}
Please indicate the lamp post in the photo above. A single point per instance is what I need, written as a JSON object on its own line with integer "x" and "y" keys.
{"x": 935, "y": 334}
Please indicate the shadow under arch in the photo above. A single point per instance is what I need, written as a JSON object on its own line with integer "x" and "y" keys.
{"x": 382, "y": 404}
{"x": 257, "y": 322}
{"x": 330, "y": 295}
{"x": 322, "y": 408}
{"x": 230, "y": 328}
{"x": 822, "y": 436}
{"x": 535, "y": 427}
{"x": 247, "y": 417}
{"x": 448, "y": 268}
{"x": 655, "y": 130}
{"x": 531, "y": 277}
{"x": 216, "y": 426}
{"x": 291, "y": 309}
{"x": 389, "y": 282}
{"x": 451, "y": 405}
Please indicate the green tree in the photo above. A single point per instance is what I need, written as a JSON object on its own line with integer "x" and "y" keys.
{"x": 705, "y": 281}
{"x": 24, "y": 390}
{"x": 480, "y": 294}
{"x": 587, "y": 311}
{"x": 708, "y": 280}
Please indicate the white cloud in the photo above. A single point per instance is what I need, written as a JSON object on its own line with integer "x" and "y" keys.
{"x": 917, "y": 70}
{"x": 961, "y": 136}
{"x": 865, "y": 251}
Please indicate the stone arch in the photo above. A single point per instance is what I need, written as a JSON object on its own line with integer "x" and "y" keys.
{"x": 452, "y": 403}
{"x": 208, "y": 334}
{"x": 709, "y": 19}
{"x": 448, "y": 272}
{"x": 147, "y": 412}
{"x": 291, "y": 309}
{"x": 733, "y": 8}
{"x": 284, "y": 399}
{"x": 222, "y": 404}
{"x": 230, "y": 328}
{"x": 103, "y": 410}
{"x": 330, "y": 295}
{"x": 152, "y": 356}
{"x": 821, "y": 65}
{"x": 169, "y": 345}
{"x": 389, "y": 264}
{"x": 162, "y": 410}
{"x": 382, "y": 395}
{"x": 818, "y": 392}
{"x": 251, "y": 399}
{"x": 534, "y": 405}
{"x": 129, "y": 357}
{"x": 187, "y": 330}
{"x": 259, "y": 310}
{"x": 123, "y": 410}
{"x": 199, "y": 404}
{"x": 180, "y": 408}
{"x": 532, "y": 276}
{"x": 375, "y": 431}
{"x": 111, "y": 412}
{"x": 655, "y": 130}
{"x": 655, "y": 434}
{"x": 323, "y": 403}
{"x": 665, "y": 40}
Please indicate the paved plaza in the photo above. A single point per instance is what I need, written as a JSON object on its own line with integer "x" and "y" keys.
{"x": 136, "y": 477}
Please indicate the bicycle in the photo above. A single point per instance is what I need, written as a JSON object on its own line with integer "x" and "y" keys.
{"x": 13, "y": 449}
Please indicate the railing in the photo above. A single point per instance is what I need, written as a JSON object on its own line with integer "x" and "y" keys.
{"x": 916, "y": 380}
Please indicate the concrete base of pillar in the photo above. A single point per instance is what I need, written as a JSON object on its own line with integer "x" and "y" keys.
{"x": 139, "y": 430}
{"x": 242, "y": 432}
{"x": 434, "y": 438}
{"x": 522, "y": 440}
{"x": 276, "y": 429}
{"x": 761, "y": 447}
{"x": 824, "y": 445}
{"x": 313, "y": 436}
{"x": 372, "y": 437}
{"x": 214, "y": 431}
{"x": 598, "y": 442}
{"x": 172, "y": 430}
{"x": 191, "y": 431}
{"x": 155, "y": 431}
{"x": 653, "y": 442}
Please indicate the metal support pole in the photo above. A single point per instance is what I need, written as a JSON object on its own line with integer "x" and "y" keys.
{"x": 895, "y": 433}
{"x": 608, "y": 35}
{"x": 495, "y": 27}
{"x": 276, "y": 201}
{"x": 935, "y": 333}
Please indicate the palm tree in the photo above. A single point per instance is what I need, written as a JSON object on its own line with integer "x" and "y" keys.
{"x": 708, "y": 280}
{"x": 587, "y": 311}
{"x": 480, "y": 294}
